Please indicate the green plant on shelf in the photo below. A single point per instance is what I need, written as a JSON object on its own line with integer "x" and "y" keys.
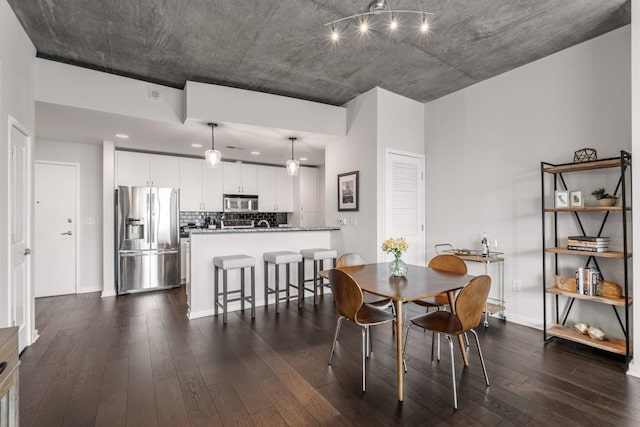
{"x": 601, "y": 193}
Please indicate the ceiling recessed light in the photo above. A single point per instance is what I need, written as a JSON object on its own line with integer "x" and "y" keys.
{"x": 255, "y": 153}
{"x": 122, "y": 136}
{"x": 196, "y": 145}
{"x": 303, "y": 159}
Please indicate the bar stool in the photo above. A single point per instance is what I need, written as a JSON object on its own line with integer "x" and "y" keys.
{"x": 277, "y": 259}
{"x": 232, "y": 262}
{"x": 315, "y": 255}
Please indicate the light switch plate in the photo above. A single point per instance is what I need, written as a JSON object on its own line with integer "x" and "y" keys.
{"x": 343, "y": 221}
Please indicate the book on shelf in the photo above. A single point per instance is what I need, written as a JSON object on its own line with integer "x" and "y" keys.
{"x": 588, "y": 238}
{"x": 587, "y": 244}
{"x": 586, "y": 248}
{"x": 588, "y": 281}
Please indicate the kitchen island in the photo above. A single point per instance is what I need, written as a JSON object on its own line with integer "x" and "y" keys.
{"x": 206, "y": 244}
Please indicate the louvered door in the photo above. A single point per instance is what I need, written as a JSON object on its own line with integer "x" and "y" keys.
{"x": 404, "y": 203}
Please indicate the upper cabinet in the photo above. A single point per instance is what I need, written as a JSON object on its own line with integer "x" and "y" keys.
{"x": 141, "y": 170}
{"x": 275, "y": 189}
{"x": 200, "y": 186}
{"x": 212, "y": 186}
{"x": 305, "y": 198}
{"x": 240, "y": 178}
{"x": 308, "y": 189}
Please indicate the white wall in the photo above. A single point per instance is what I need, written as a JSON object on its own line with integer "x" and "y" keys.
{"x": 484, "y": 145}
{"x": 376, "y": 120}
{"x": 226, "y": 104}
{"x": 17, "y": 56}
{"x": 400, "y": 126}
{"x": 89, "y": 157}
{"x": 357, "y": 152}
{"x": 63, "y": 84}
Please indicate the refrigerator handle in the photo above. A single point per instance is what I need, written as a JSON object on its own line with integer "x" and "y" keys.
{"x": 154, "y": 220}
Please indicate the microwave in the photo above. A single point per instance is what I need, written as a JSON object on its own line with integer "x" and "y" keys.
{"x": 234, "y": 203}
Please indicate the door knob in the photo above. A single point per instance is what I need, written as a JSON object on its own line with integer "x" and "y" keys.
{"x": 68, "y": 233}
{"x": 27, "y": 251}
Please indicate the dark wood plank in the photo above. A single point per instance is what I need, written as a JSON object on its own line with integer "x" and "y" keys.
{"x": 138, "y": 360}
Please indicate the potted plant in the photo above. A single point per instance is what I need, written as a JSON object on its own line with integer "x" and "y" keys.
{"x": 604, "y": 198}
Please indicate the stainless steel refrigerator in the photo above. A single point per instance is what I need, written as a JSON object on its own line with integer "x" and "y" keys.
{"x": 147, "y": 239}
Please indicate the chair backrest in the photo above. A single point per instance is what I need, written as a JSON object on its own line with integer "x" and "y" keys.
{"x": 350, "y": 260}
{"x": 471, "y": 301}
{"x": 347, "y": 295}
{"x": 441, "y": 247}
{"x": 448, "y": 263}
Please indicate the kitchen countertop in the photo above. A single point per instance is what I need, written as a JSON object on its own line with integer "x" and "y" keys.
{"x": 259, "y": 230}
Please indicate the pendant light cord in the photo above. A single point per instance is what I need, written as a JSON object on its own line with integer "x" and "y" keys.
{"x": 213, "y": 126}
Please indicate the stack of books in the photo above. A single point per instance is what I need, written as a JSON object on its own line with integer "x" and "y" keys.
{"x": 588, "y": 243}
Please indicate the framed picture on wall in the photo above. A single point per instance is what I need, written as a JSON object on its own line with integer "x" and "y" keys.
{"x": 575, "y": 199}
{"x": 562, "y": 199}
{"x": 348, "y": 191}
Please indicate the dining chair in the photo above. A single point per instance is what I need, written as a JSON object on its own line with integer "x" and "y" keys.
{"x": 451, "y": 264}
{"x": 469, "y": 306}
{"x": 353, "y": 259}
{"x": 349, "y": 300}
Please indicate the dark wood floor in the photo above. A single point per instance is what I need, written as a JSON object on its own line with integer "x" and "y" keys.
{"x": 137, "y": 361}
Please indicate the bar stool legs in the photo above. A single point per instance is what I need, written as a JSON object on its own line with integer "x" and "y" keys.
{"x": 231, "y": 262}
{"x": 277, "y": 259}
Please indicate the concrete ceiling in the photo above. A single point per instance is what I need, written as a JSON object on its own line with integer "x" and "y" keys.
{"x": 282, "y": 46}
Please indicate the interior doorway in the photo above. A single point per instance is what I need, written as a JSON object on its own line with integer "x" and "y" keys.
{"x": 404, "y": 202}
{"x": 55, "y": 246}
{"x": 20, "y": 284}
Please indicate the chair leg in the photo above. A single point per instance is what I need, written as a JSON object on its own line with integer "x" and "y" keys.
{"x": 335, "y": 338}
{"x": 453, "y": 374}
{"x": 253, "y": 292}
{"x": 484, "y": 368}
{"x": 215, "y": 291}
{"x": 404, "y": 348}
{"x": 466, "y": 340}
{"x": 277, "y": 288}
{"x": 364, "y": 359}
{"x": 266, "y": 284}
{"x": 242, "y": 289}
{"x": 315, "y": 282}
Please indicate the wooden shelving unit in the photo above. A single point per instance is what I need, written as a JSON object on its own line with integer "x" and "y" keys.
{"x": 559, "y": 328}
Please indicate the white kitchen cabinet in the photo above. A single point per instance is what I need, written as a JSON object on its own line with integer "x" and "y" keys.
{"x": 132, "y": 169}
{"x": 284, "y": 190}
{"x": 190, "y": 184}
{"x": 308, "y": 179}
{"x": 164, "y": 171}
{"x": 267, "y": 201}
{"x": 142, "y": 169}
{"x": 240, "y": 178}
{"x": 200, "y": 186}
{"x": 275, "y": 189}
{"x": 212, "y": 186}
{"x": 305, "y": 195}
{"x": 183, "y": 259}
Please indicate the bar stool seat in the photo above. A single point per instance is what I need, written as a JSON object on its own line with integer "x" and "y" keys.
{"x": 318, "y": 256}
{"x": 232, "y": 262}
{"x": 279, "y": 258}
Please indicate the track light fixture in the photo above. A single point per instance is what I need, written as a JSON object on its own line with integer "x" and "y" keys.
{"x": 365, "y": 21}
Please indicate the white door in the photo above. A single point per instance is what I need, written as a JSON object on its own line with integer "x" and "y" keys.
{"x": 404, "y": 202}
{"x": 19, "y": 221}
{"x": 308, "y": 189}
{"x": 55, "y": 229}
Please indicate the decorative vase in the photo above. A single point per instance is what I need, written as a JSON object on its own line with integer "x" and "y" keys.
{"x": 607, "y": 202}
{"x": 398, "y": 268}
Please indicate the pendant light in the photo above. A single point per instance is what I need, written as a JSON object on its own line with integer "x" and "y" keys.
{"x": 292, "y": 164}
{"x": 213, "y": 156}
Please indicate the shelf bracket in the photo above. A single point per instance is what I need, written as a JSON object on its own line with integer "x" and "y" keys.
{"x": 624, "y": 331}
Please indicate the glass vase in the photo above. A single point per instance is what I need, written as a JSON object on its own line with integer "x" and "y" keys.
{"x": 398, "y": 268}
